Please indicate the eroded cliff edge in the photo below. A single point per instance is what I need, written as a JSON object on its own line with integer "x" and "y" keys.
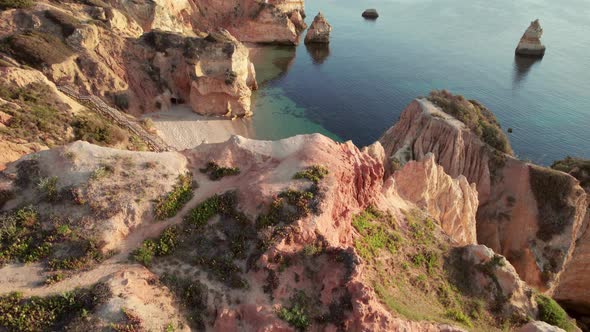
{"x": 532, "y": 215}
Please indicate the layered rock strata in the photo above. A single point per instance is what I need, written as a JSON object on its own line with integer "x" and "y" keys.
{"x": 527, "y": 213}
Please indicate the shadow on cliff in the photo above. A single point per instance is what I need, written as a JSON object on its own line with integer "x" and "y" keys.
{"x": 522, "y": 66}
{"x": 318, "y": 52}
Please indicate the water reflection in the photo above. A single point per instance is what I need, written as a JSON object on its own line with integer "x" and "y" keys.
{"x": 271, "y": 62}
{"x": 319, "y": 52}
{"x": 522, "y": 66}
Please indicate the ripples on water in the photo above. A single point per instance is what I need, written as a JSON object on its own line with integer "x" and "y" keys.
{"x": 356, "y": 87}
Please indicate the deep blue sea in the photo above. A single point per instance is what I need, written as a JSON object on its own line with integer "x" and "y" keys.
{"x": 357, "y": 87}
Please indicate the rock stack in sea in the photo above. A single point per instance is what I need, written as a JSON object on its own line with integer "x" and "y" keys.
{"x": 319, "y": 32}
{"x": 370, "y": 14}
{"x": 530, "y": 43}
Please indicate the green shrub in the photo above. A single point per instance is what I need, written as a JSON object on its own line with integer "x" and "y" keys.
{"x": 376, "y": 234}
{"x": 162, "y": 246}
{"x": 552, "y": 313}
{"x": 21, "y": 237}
{"x": 8, "y": 4}
{"x": 200, "y": 215}
{"x": 167, "y": 206}
{"x": 297, "y": 313}
{"x": 217, "y": 172}
{"x": 51, "y": 313}
{"x": 38, "y": 49}
{"x": 48, "y": 187}
{"x": 313, "y": 173}
{"x": 475, "y": 116}
{"x": 459, "y": 316}
{"x": 98, "y": 131}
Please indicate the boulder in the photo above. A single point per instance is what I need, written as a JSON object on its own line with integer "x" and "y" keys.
{"x": 530, "y": 42}
{"x": 319, "y": 32}
{"x": 370, "y": 13}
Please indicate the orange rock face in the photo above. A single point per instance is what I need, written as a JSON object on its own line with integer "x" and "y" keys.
{"x": 519, "y": 216}
{"x": 453, "y": 202}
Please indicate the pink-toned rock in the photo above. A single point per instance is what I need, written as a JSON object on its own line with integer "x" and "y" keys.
{"x": 518, "y": 202}
{"x": 573, "y": 289}
{"x": 493, "y": 277}
{"x": 354, "y": 182}
{"x": 453, "y": 202}
{"x": 319, "y": 31}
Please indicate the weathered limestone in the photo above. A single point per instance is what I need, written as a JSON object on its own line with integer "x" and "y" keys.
{"x": 453, "y": 202}
{"x": 530, "y": 42}
{"x": 319, "y": 32}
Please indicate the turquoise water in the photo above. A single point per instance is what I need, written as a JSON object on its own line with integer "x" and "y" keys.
{"x": 357, "y": 88}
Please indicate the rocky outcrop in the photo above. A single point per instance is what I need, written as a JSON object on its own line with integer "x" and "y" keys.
{"x": 572, "y": 291}
{"x": 213, "y": 73}
{"x": 319, "y": 32}
{"x": 276, "y": 22}
{"x": 494, "y": 278}
{"x": 453, "y": 202}
{"x": 370, "y": 14}
{"x": 99, "y": 177}
{"x": 530, "y": 42}
{"x": 529, "y": 214}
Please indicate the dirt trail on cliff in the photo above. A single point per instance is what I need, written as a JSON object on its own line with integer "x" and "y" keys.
{"x": 29, "y": 278}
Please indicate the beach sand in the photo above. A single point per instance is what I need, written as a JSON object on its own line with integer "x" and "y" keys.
{"x": 183, "y": 129}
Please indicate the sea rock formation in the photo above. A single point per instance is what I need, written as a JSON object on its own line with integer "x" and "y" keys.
{"x": 529, "y": 214}
{"x": 453, "y": 202}
{"x": 370, "y": 13}
{"x": 319, "y": 31}
{"x": 530, "y": 42}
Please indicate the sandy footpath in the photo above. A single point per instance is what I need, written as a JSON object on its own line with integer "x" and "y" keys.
{"x": 183, "y": 129}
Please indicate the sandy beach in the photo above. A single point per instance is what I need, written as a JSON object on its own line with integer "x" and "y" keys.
{"x": 183, "y": 129}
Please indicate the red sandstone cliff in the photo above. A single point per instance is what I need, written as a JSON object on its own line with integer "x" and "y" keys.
{"x": 529, "y": 214}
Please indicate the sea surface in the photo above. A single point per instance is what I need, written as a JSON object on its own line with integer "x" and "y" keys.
{"x": 357, "y": 87}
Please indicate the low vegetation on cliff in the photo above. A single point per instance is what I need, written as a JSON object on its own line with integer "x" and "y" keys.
{"x": 414, "y": 272}
{"x": 475, "y": 116}
{"x": 51, "y": 313}
{"x": 576, "y": 167}
{"x": 38, "y": 115}
{"x": 36, "y": 49}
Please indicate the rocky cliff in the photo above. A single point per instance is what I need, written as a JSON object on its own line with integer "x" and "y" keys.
{"x": 572, "y": 291}
{"x": 300, "y": 233}
{"x": 531, "y": 215}
{"x": 135, "y": 73}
